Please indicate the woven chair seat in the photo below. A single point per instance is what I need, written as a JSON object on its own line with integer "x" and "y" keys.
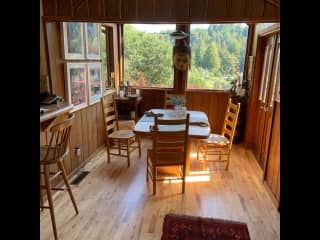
{"x": 216, "y": 139}
{"x": 122, "y": 134}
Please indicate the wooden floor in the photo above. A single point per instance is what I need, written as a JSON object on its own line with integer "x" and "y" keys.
{"x": 115, "y": 202}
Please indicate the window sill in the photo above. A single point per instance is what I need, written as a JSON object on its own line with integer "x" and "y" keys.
{"x": 108, "y": 91}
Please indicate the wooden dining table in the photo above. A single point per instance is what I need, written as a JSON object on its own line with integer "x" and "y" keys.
{"x": 199, "y": 127}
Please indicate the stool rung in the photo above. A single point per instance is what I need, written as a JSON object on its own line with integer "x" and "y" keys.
{"x": 45, "y": 207}
{"x": 52, "y": 173}
{"x": 54, "y": 188}
{"x": 59, "y": 189}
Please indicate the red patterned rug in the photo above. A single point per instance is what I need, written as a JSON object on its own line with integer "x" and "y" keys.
{"x": 183, "y": 227}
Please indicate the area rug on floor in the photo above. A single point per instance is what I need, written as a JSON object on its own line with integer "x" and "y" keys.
{"x": 184, "y": 227}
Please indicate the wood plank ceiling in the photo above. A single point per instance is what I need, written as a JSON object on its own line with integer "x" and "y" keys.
{"x": 163, "y": 10}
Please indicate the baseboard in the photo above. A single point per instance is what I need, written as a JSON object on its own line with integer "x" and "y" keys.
{"x": 73, "y": 173}
{"x": 270, "y": 193}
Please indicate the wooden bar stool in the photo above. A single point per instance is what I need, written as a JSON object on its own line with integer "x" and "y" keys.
{"x": 54, "y": 153}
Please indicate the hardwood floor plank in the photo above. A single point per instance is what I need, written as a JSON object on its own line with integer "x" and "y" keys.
{"x": 116, "y": 202}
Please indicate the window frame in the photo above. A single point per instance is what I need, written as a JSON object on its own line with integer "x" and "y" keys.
{"x": 180, "y": 79}
{"x": 109, "y": 32}
{"x": 78, "y": 60}
{"x": 66, "y": 54}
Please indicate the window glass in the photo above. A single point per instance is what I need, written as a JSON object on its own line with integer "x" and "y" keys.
{"x": 148, "y": 55}
{"x": 217, "y": 55}
{"x": 82, "y": 51}
{"x": 104, "y": 58}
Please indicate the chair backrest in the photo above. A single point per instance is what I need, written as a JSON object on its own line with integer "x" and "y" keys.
{"x": 168, "y": 99}
{"x": 230, "y": 120}
{"x": 170, "y": 138}
{"x": 110, "y": 114}
{"x": 58, "y": 143}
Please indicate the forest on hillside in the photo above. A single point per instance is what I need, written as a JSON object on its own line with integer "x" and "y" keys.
{"x": 217, "y": 56}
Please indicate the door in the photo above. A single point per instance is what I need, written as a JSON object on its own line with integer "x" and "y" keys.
{"x": 265, "y": 105}
{"x": 272, "y": 175}
{"x": 272, "y": 171}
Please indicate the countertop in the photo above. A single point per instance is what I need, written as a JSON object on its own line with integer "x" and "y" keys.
{"x": 53, "y": 110}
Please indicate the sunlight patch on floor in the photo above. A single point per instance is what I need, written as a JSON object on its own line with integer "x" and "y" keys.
{"x": 198, "y": 172}
{"x": 193, "y": 155}
{"x": 189, "y": 179}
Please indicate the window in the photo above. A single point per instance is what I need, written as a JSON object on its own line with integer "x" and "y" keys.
{"x": 83, "y": 62}
{"x": 107, "y": 54}
{"x": 148, "y": 55}
{"x": 217, "y": 55}
{"x": 104, "y": 56}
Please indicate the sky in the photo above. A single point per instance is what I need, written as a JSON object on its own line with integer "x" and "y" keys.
{"x": 161, "y": 27}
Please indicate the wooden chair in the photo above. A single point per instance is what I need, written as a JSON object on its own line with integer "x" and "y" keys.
{"x": 54, "y": 153}
{"x": 168, "y": 97}
{"x": 220, "y": 144}
{"x": 169, "y": 149}
{"x": 120, "y": 140}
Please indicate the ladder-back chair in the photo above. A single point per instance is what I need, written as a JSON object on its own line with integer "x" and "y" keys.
{"x": 220, "y": 144}
{"x": 169, "y": 148}
{"x": 118, "y": 142}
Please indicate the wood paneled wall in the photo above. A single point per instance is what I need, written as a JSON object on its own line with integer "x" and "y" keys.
{"x": 213, "y": 103}
{"x": 43, "y": 61}
{"x": 163, "y": 10}
{"x": 87, "y": 132}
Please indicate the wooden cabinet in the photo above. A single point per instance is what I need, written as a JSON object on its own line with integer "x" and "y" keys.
{"x": 266, "y": 98}
{"x": 129, "y": 108}
{"x": 266, "y": 138}
{"x": 272, "y": 170}
{"x": 238, "y": 134}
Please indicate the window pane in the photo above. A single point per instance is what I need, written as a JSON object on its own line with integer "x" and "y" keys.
{"x": 104, "y": 58}
{"x": 148, "y": 55}
{"x": 218, "y": 55}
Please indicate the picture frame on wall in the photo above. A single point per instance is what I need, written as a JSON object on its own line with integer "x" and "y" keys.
{"x": 77, "y": 84}
{"x": 73, "y": 40}
{"x": 93, "y": 36}
{"x": 94, "y": 82}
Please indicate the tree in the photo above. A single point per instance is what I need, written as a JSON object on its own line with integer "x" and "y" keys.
{"x": 211, "y": 59}
{"x": 216, "y": 52}
{"x": 147, "y": 58}
{"x": 199, "y": 51}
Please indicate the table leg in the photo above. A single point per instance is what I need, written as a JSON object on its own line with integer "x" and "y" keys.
{"x": 136, "y": 111}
